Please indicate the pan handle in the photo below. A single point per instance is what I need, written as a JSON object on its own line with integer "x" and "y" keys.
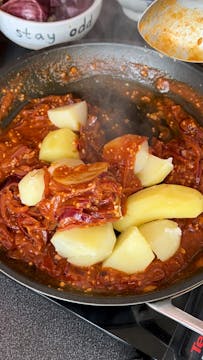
{"x": 165, "y": 307}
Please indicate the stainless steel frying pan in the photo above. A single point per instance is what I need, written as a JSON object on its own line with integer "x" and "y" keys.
{"x": 51, "y": 71}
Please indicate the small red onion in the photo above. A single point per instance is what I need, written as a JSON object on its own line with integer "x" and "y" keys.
{"x": 30, "y": 9}
{"x": 41, "y": 10}
{"x": 64, "y": 9}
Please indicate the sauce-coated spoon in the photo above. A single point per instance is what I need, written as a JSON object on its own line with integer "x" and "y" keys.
{"x": 175, "y": 28}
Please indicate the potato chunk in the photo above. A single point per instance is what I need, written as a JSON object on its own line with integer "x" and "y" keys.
{"x": 59, "y": 144}
{"x": 155, "y": 170}
{"x": 85, "y": 246}
{"x": 69, "y": 116}
{"x": 141, "y": 157}
{"x": 131, "y": 254}
{"x": 164, "y": 237}
{"x": 164, "y": 201}
{"x": 129, "y": 151}
{"x": 31, "y": 187}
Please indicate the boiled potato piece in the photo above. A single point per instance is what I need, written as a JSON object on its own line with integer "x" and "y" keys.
{"x": 164, "y": 201}
{"x": 131, "y": 254}
{"x": 141, "y": 157}
{"x": 164, "y": 237}
{"x": 132, "y": 149}
{"x": 69, "y": 116}
{"x": 155, "y": 170}
{"x": 59, "y": 144}
{"x": 85, "y": 246}
{"x": 31, "y": 187}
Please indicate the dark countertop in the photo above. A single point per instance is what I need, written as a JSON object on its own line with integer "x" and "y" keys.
{"x": 34, "y": 328}
{"x": 31, "y": 326}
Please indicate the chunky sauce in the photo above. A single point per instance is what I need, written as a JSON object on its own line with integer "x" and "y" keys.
{"x": 25, "y": 232}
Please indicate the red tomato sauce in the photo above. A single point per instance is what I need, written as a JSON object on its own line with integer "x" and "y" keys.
{"x": 25, "y": 232}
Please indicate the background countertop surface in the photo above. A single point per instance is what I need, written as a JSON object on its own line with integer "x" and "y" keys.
{"x": 31, "y": 326}
{"x": 34, "y": 328}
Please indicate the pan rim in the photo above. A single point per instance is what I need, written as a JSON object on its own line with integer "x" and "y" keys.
{"x": 64, "y": 46}
{"x": 93, "y": 299}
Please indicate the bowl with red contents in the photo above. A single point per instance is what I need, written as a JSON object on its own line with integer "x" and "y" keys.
{"x": 37, "y": 24}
